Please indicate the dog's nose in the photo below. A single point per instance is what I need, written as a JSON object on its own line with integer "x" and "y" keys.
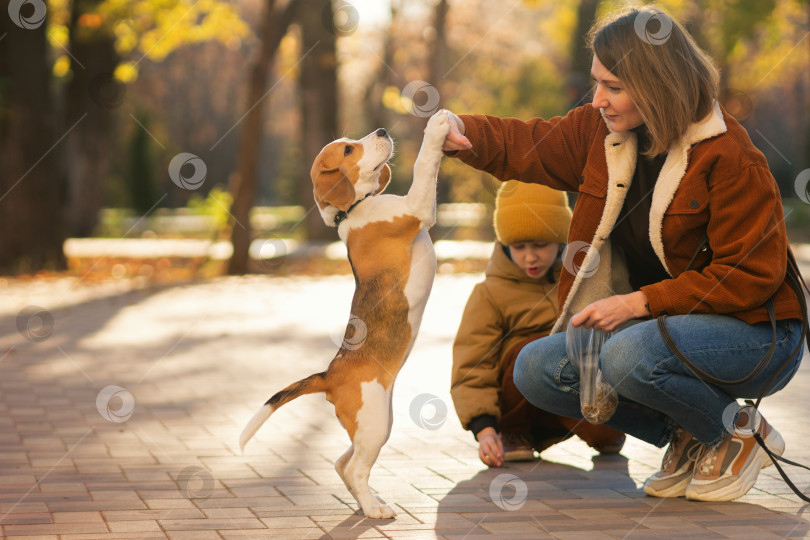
{"x": 381, "y": 132}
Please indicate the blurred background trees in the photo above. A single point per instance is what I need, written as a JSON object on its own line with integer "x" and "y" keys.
{"x": 98, "y": 97}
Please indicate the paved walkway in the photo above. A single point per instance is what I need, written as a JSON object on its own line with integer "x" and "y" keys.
{"x": 120, "y": 419}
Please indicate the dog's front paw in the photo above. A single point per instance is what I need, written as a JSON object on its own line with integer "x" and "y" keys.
{"x": 438, "y": 127}
{"x": 380, "y": 511}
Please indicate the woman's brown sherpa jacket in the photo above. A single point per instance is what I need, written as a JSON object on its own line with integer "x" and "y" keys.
{"x": 713, "y": 181}
{"x": 504, "y": 309}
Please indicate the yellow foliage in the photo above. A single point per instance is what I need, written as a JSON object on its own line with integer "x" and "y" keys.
{"x": 289, "y": 54}
{"x": 393, "y": 99}
{"x": 158, "y": 27}
{"x": 126, "y": 72}
{"x": 58, "y": 35}
{"x": 62, "y": 66}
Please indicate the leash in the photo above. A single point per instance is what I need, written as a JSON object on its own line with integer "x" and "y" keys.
{"x": 796, "y": 282}
{"x": 343, "y": 214}
{"x": 775, "y": 459}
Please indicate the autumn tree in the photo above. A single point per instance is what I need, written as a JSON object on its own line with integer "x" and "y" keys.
{"x": 243, "y": 181}
{"x": 32, "y": 186}
{"x": 103, "y": 42}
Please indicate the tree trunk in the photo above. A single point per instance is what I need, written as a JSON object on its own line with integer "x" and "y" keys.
{"x": 319, "y": 103}
{"x": 243, "y": 180}
{"x": 32, "y": 188}
{"x": 437, "y": 68}
{"x": 579, "y": 78}
{"x": 92, "y": 93}
{"x": 438, "y": 48}
{"x": 376, "y": 114}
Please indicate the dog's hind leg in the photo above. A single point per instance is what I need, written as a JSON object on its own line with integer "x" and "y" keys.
{"x": 372, "y": 426}
{"x": 340, "y": 464}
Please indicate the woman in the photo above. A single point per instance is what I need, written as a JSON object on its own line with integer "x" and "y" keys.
{"x": 658, "y": 167}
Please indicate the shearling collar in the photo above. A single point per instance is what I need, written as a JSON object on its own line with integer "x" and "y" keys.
{"x": 621, "y": 153}
{"x": 606, "y": 275}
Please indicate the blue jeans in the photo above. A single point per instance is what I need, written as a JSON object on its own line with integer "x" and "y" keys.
{"x": 657, "y": 393}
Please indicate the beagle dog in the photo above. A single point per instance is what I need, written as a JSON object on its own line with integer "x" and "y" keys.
{"x": 394, "y": 264}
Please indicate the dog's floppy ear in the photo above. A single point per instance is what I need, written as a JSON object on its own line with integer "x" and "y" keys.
{"x": 385, "y": 178}
{"x": 332, "y": 187}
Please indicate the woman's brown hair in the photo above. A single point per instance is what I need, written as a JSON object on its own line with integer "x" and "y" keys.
{"x": 671, "y": 81}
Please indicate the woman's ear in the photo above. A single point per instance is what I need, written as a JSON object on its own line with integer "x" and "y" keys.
{"x": 385, "y": 178}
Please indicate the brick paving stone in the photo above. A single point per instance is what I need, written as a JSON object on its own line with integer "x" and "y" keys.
{"x": 116, "y": 536}
{"x": 745, "y": 532}
{"x": 76, "y": 517}
{"x": 134, "y": 526}
{"x": 289, "y": 522}
{"x": 354, "y": 532}
{"x": 194, "y": 535}
{"x": 28, "y": 518}
{"x": 55, "y": 528}
{"x": 37, "y": 537}
{"x": 275, "y": 534}
{"x": 196, "y": 374}
{"x": 583, "y": 535}
{"x": 209, "y": 523}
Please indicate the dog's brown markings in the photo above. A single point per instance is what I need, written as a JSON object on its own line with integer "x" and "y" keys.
{"x": 380, "y": 255}
{"x": 331, "y": 173}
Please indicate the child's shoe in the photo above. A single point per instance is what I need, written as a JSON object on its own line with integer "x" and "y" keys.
{"x": 516, "y": 447}
{"x": 613, "y": 447}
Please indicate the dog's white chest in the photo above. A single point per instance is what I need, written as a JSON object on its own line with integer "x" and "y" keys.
{"x": 420, "y": 278}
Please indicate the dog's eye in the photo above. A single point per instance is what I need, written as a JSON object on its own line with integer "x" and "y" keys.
{"x": 347, "y": 150}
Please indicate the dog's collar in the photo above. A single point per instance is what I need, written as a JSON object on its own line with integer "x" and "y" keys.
{"x": 343, "y": 214}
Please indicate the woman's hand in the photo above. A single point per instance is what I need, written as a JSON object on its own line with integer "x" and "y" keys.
{"x": 455, "y": 139}
{"x": 611, "y": 312}
{"x": 490, "y": 448}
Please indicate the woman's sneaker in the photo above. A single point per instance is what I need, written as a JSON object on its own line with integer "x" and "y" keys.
{"x": 516, "y": 447}
{"x": 676, "y": 468}
{"x": 730, "y": 469}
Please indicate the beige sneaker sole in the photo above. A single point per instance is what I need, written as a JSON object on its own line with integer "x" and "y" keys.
{"x": 730, "y": 488}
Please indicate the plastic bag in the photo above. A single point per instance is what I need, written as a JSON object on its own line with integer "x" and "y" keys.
{"x": 597, "y": 399}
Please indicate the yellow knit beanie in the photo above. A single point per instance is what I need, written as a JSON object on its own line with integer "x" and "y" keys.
{"x": 530, "y": 212}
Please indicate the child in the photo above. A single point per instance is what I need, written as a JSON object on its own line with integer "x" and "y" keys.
{"x": 515, "y": 305}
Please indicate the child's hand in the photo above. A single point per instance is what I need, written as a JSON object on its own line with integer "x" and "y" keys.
{"x": 490, "y": 448}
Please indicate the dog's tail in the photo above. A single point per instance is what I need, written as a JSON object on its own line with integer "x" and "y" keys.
{"x": 310, "y": 385}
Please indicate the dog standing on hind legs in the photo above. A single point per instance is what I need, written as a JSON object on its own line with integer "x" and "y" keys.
{"x": 394, "y": 265}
